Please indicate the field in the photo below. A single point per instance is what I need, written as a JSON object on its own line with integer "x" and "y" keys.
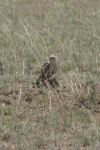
{"x": 64, "y": 118}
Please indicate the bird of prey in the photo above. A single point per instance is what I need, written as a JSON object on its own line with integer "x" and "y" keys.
{"x": 47, "y": 70}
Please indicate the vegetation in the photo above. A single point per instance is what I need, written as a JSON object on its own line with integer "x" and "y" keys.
{"x": 67, "y": 117}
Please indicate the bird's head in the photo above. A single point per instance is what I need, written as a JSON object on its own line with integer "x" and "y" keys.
{"x": 52, "y": 58}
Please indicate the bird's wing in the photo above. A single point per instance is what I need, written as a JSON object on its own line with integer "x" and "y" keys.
{"x": 42, "y": 74}
{"x": 49, "y": 70}
{"x": 52, "y": 70}
{"x": 45, "y": 69}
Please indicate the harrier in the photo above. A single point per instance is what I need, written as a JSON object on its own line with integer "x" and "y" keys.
{"x": 48, "y": 70}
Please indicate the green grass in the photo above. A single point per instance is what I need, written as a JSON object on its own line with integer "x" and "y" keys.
{"x": 42, "y": 118}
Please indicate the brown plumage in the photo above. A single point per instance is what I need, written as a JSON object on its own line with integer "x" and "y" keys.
{"x": 47, "y": 70}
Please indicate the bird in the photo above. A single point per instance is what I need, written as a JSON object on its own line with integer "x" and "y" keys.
{"x": 47, "y": 70}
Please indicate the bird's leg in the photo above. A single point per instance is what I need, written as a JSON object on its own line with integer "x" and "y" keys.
{"x": 44, "y": 82}
{"x": 55, "y": 81}
{"x": 51, "y": 83}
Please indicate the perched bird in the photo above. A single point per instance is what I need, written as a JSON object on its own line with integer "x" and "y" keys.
{"x": 47, "y": 70}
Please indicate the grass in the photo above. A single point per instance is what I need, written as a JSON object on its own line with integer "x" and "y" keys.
{"x": 46, "y": 118}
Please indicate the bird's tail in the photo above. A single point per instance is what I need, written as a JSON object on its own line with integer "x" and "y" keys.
{"x": 39, "y": 80}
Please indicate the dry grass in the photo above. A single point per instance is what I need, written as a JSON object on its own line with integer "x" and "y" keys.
{"x": 67, "y": 117}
